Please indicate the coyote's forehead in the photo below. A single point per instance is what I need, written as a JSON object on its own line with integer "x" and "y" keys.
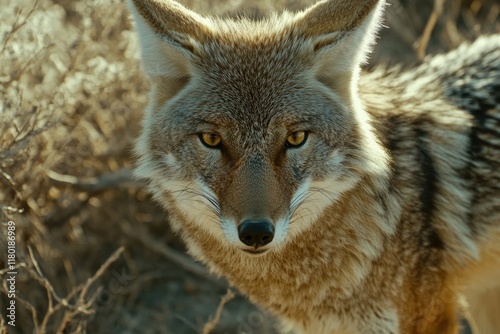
{"x": 261, "y": 66}
{"x": 269, "y": 51}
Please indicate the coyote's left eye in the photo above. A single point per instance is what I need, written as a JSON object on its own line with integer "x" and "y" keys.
{"x": 210, "y": 140}
{"x": 296, "y": 139}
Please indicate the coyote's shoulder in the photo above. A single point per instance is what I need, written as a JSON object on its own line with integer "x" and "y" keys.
{"x": 342, "y": 201}
{"x": 441, "y": 122}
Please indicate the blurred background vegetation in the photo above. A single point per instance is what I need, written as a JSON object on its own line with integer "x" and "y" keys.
{"x": 94, "y": 254}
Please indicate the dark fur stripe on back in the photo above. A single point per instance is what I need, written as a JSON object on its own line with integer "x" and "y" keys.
{"x": 428, "y": 190}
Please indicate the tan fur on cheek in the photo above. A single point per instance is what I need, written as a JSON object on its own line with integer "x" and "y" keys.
{"x": 191, "y": 207}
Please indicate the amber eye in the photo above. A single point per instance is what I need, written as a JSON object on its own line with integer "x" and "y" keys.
{"x": 210, "y": 140}
{"x": 296, "y": 139}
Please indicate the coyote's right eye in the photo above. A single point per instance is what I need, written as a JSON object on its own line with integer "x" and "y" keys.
{"x": 210, "y": 140}
{"x": 296, "y": 139}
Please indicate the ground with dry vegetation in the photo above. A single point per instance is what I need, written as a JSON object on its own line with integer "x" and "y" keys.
{"x": 93, "y": 253}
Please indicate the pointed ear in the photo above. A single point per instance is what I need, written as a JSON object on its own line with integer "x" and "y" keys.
{"x": 342, "y": 33}
{"x": 168, "y": 34}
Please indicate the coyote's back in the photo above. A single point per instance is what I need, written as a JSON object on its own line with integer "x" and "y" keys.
{"x": 342, "y": 202}
{"x": 441, "y": 122}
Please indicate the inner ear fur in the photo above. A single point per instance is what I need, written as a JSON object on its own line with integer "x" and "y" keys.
{"x": 341, "y": 33}
{"x": 168, "y": 36}
{"x": 335, "y": 16}
{"x": 172, "y": 20}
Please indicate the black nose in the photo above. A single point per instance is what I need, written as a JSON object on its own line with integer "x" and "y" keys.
{"x": 256, "y": 232}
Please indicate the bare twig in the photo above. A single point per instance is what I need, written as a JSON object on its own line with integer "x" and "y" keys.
{"x": 492, "y": 18}
{"x": 187, "y": 323}
{"x": 431, "y": 23}
{"x": 116, "y": 254}
{"x": 44, "y": 279}
{"x": 139, "y": 233}
{"x": 21, "y": 143}
{"x": 210, "y": 326}
{"x": 11, "y": 183}
{"x": 83, "y": 306}
{"x": 11, "y": 209}
{"x": 16, "y": 26}
{"x": 5, "y": 270}
{"x": 21, "y": 300}
{"x": 120, "y": 179}
{"x": 33, "y": 312}
{"x": 21, "y": 69}
{"x": 60, "y": 216}
{"x": 51, "y": 293}
{"x": 3, "y": 326}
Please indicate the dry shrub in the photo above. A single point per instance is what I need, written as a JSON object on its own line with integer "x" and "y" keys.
{"x": 71, "y": 97}
{"x": 70, "y": 100}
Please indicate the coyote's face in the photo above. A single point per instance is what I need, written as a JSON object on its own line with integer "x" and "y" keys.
{"x": 252, "y": 129}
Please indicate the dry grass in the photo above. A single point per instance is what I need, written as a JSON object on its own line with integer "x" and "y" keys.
{"x": 93, "y": 253}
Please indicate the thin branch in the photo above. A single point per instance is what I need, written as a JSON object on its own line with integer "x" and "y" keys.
{"x": 116, "y": 254}
{"x": 188, "y": 323}
{"x": 27, "y": 304}
{"x": 11, "y": 183}
{"x": 60, "y": 216}
{"x": 210, "y": 326}
{"x": 120, "y": 179}
{"x": 16, "y": 26}
{"x": 11, "y": 209}
{"x": 32, "y": 310}
{"x": 3, "y": 326}
{"x": 431, "y": 23}
{"x": 185, "y": 262}
{"x": 51, "y": 293}
{"x": 81, "y": 306}
{"x": 18, "y": 265}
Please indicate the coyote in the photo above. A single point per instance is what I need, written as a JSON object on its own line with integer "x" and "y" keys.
{"x": 339, "y": 200}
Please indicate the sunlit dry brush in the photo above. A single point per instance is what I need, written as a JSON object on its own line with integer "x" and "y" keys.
{"x": 69, "y": 93}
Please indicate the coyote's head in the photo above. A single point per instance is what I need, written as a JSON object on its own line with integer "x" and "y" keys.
{"x": 254, "y": 128}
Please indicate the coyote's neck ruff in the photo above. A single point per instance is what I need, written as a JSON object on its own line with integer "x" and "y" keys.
{"x": 343, "y": 203}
